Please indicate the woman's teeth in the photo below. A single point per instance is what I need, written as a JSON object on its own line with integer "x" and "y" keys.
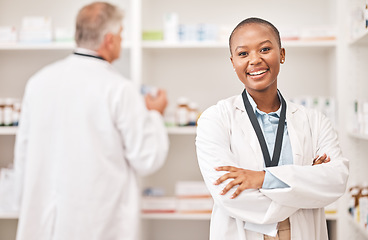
{"x": 257, "y": 73}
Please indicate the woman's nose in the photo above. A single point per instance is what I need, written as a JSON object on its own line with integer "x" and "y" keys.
{"x": 254, "y": 58}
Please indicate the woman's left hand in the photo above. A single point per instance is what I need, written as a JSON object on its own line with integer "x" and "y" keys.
{"x": 246, "y": 179}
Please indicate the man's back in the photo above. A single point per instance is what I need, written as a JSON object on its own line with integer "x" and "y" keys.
{"x": 86, "y": 134}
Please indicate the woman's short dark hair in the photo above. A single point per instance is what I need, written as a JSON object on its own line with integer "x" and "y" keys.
{"x": 257, "y": 21}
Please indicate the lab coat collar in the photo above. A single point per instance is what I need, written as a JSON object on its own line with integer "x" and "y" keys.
{"x": 239, "y": 104}
{"x": 243, "y": 120}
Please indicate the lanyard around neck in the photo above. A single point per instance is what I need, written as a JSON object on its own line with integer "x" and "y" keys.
{"x": 89, "y": 55}
{"x": 261, "y": 139}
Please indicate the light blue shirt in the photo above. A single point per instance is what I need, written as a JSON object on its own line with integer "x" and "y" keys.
{"x": 269, "y": 123}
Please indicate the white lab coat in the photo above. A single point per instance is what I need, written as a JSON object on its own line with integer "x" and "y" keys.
{"x": 226, "y": 137}
{"x": 84, "y": 136}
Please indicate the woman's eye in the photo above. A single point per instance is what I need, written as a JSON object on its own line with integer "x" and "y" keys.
{"x": 265, "y": 49}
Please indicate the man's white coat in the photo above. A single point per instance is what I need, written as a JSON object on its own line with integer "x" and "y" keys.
{"x": 84, "y": 136}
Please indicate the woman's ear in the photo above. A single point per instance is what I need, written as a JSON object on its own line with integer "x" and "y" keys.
{"x": 232, "y": 62}
{"x": 282, "y": 55}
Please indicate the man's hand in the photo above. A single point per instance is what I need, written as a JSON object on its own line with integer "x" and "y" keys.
{"x": 246, "y": 179}
{"x": 158, "y": 102}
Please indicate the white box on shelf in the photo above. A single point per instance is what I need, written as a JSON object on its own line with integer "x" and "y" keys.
{"x": 194, "y": 205}
{"x": 158, "y": 204}
{"x": 189, "y": 189}
{"x": 35, "y": 29}
{"x": 8, "y": 34}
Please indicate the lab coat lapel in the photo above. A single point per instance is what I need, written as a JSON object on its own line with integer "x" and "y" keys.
{"x": 294, "y": 127}
{"x": 243, "y": 121}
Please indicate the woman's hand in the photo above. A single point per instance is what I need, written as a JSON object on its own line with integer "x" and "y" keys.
{"x": 246, "y": 179}
{"x": 319, "y": 160}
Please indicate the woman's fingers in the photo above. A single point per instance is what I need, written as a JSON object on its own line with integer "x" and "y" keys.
{"x": 229, "y": 186}
{"x": 322, "y": 159}
{"x": 227, "y": 168}
{"x": 240, "y": 189}
{"x": 225, "y": 177}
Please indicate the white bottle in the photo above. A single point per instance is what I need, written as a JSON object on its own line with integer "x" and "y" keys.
{"x": 8, "y": 112}
{"x": 16, "y": 112}
{"x": 171, "y": 27}
{"x": 182, "y": 112}
{"x": 363, "y": 205}
{"x": 193, "y": 114}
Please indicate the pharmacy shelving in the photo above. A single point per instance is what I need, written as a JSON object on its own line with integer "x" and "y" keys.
{"x": 8, "y": 130}
{"x": 38, "y": 46}
{"x": 360, "y": 39}
{"x": 205, "y": 45}
{"x": 189, "y": 130}
{"x": 9, "y": 214}
{"x": 201, "y": 71}
{"x": 46, "y": 46}
{"x": 167, "y": 216}
{"x": 177, "y": 216}
{"x": 358, "y": 135}
{"x": 363, "y": 231}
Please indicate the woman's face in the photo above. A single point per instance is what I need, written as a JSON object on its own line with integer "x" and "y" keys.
{"x": 256, "y": 56}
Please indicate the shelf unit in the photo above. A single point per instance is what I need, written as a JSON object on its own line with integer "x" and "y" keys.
{"x": 205, "y": 45}
{"x": 9, "y": 215}
{"x": 171, "y": 130}
{"x": 361, "y": 230}
{"x": 45, "y": 46}
{"x": 8, "y": 130}
{"x": 358, "y": 136}
{"x": 201, "y": 71}
{"x": 152, "y": 216}
{"x": 361, "y": 39}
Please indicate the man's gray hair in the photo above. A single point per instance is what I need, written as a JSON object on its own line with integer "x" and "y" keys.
{"x": 94, "y": 21}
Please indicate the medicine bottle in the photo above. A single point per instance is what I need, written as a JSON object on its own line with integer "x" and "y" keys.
{"x": 16, "y": 112}
{"x": 182, "y": 112}
{"x": 193, "y": 114}
{"x": 363, "y": 205}
{"x": 8, "y": 112}
{"x": 354, "y": 192}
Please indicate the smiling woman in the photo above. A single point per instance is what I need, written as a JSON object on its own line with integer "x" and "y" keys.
{"x": 257, "y": 152}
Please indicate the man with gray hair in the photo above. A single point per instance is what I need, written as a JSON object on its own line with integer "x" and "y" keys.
{"x": 85, "y": 134}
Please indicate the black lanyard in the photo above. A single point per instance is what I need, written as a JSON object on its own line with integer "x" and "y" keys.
{"x": 88, "y": 55}
{"x": 258, "y": 130}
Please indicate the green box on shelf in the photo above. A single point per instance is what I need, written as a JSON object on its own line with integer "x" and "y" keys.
{"x": 153, "y": 35}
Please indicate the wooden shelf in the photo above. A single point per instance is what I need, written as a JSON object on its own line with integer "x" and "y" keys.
{"x": 8, "y": 130}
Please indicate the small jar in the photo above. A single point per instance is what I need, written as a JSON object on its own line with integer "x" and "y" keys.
{"x": 16, "y": 112}
{"x": 193, "y": 114}
{"x": 2, "y": 106}
{"x": 182, "y": 112}
{"x": 8, "y": 112}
